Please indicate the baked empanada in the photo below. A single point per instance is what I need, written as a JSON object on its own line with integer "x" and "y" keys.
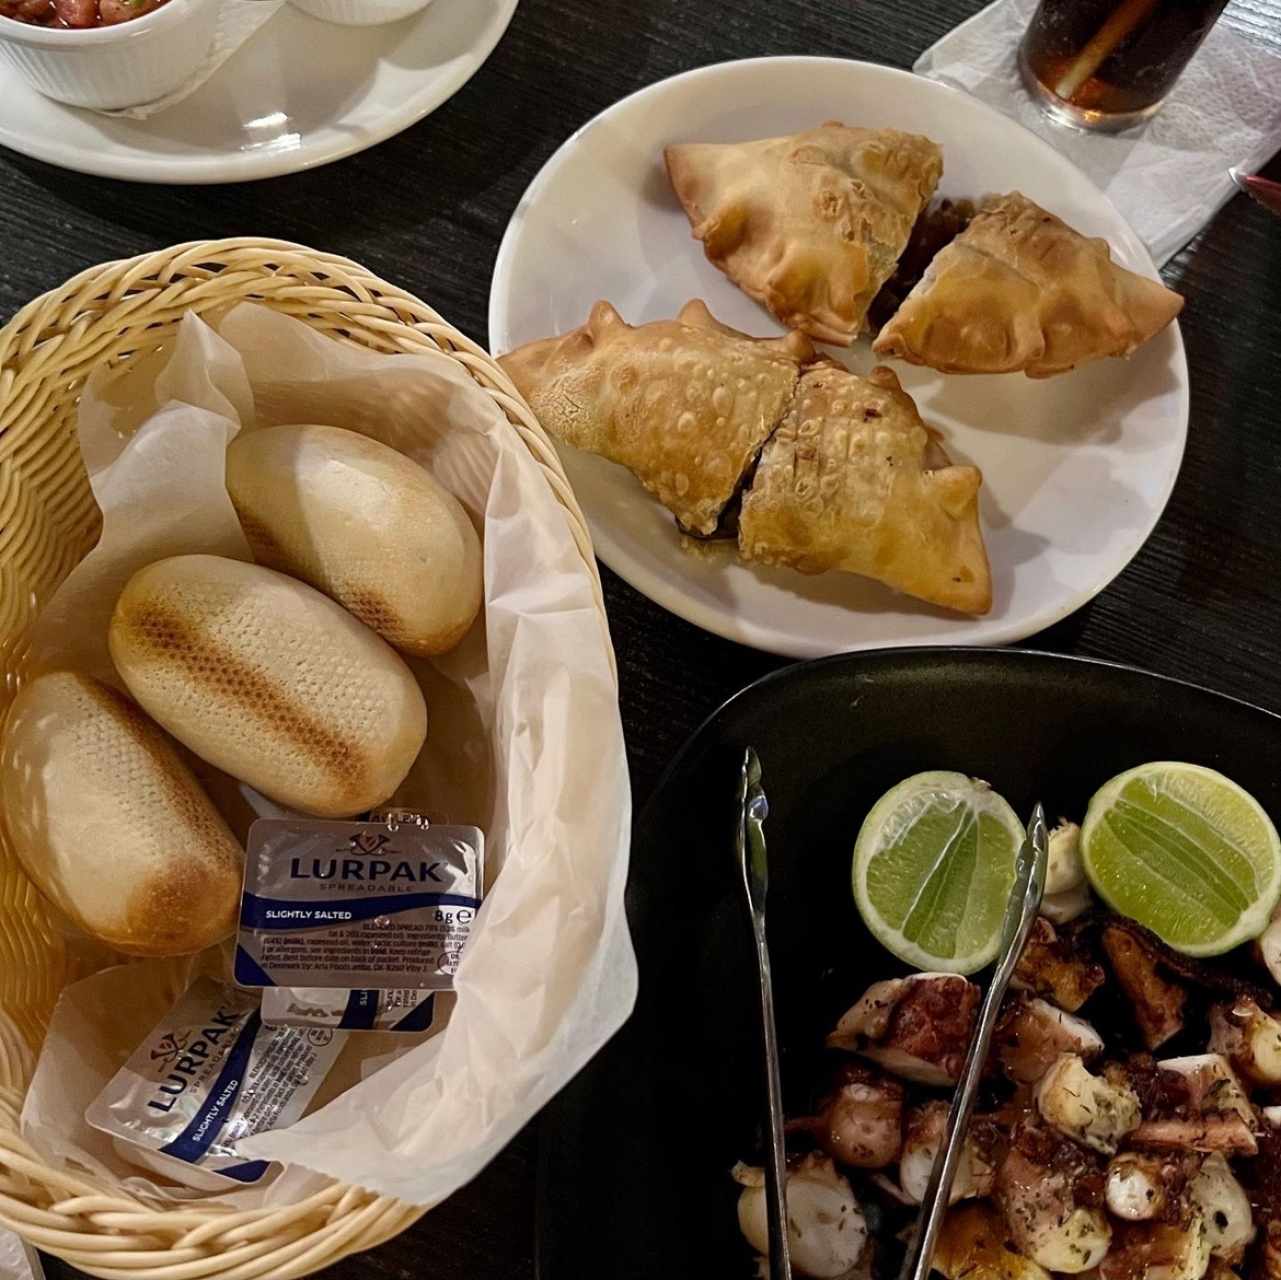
{"x": 854, "y": 480}
{"x": 810, "y": 225}
{"x": 684, "y": 404}
{"x": 1018, "y": 289}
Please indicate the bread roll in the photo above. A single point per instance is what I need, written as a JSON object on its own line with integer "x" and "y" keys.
{"x": 270, "y": 681}
{"x": 111, "y": 824}
{"x": 365, "y": 525}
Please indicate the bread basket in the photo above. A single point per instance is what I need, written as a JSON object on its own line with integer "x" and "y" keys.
{"x": 110, "y": 315}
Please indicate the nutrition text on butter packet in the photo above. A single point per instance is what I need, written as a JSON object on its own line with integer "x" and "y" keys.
{"x": 383, "y": 948}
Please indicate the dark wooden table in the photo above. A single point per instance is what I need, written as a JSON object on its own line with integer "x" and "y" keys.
{"x": 1202, "y": 600}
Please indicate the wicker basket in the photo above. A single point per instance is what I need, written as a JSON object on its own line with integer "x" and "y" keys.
{"x": 48, "y": 520}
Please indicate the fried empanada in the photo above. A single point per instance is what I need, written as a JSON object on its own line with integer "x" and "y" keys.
{"x": 1018, "y": 289}
{"x": 684, "y": 404}
{"x": 809, "y": 225}
{"x": 854, "y": 480}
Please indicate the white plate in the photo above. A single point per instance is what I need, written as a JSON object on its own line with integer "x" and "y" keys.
{"x": 1077, "y": 469}
{"x": 298, "y": 94}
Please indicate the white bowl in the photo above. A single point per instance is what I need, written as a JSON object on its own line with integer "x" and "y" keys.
{"x": 360, "y": 13}
{"x": 123, "y": 65}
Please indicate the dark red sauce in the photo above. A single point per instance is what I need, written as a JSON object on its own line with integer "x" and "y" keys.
{"x": 76, "y": 14}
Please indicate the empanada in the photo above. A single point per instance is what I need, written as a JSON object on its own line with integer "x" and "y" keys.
{"x": 810, "y": 225}
{"x": 854, "y": 480}
{"x": 1018, "y": 289}
{"x": 684, "y": 404}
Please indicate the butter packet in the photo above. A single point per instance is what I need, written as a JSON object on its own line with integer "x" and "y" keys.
{"x": 379, "y": 905}
{"x": 406, "y": 1009}
{"x": 210, "y": 1074}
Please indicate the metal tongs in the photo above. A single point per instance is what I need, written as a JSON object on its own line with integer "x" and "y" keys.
{"x": 1020, "y": 914}
{"x": 753, "y": 809}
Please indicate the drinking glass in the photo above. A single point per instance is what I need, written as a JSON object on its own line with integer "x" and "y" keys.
{"x": 1109, "y": 64}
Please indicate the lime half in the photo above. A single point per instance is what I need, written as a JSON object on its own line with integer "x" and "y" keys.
{"x": 934, "y": 868}
{"x": 1185, "y": 852}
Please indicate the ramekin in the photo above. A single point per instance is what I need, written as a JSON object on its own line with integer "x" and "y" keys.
{"x": 360, "y": 13}
{"x": 123, "y": 65}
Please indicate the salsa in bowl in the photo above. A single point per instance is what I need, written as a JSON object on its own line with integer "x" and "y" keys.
{"x": 107, "y": 54}
{"x": 77, "y": 15}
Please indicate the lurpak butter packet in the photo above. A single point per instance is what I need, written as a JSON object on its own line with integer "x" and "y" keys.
{"x": 365, "y": 906}
{"x": 210, "y": 1074}
{"x": 406, "y": 1009}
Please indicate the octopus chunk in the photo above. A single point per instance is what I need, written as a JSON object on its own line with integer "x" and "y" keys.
{"x": 826, "y": 1230}
{"x": 1142, "y": 1187}
{"x": 1095, "y": 1110}
{"x": 1249, "y": 1038}
{"x": 1159, "y": 1251}
{"x": 918, "y": 1027}
{"x": 1158, "y": 1003}
{"x": 860, "y": 1122}
{"x": 1213, "y": 1114}
{"x": 1032, "y": 1034}
{"x": 1051, "y": 1192}
{"x": 973, "y": 1245}
{"x": 1225, "y": 1208}
{"x": 1055, "y": 967}
{"x": 926, "y": 1131}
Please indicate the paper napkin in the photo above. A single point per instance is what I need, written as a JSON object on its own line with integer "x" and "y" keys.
{"x": 18, "y": 1261}
{"x": 237, "y": 21}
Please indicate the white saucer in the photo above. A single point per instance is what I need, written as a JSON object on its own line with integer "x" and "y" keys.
{"x": 1077, "y": 469}
{"x": 299, "y": 93}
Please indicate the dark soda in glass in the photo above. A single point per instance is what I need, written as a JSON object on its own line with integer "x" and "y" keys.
{"x": 1108, "y": 64}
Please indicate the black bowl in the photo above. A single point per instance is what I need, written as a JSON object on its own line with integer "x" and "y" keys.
{"x": 637, "y": 1151}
